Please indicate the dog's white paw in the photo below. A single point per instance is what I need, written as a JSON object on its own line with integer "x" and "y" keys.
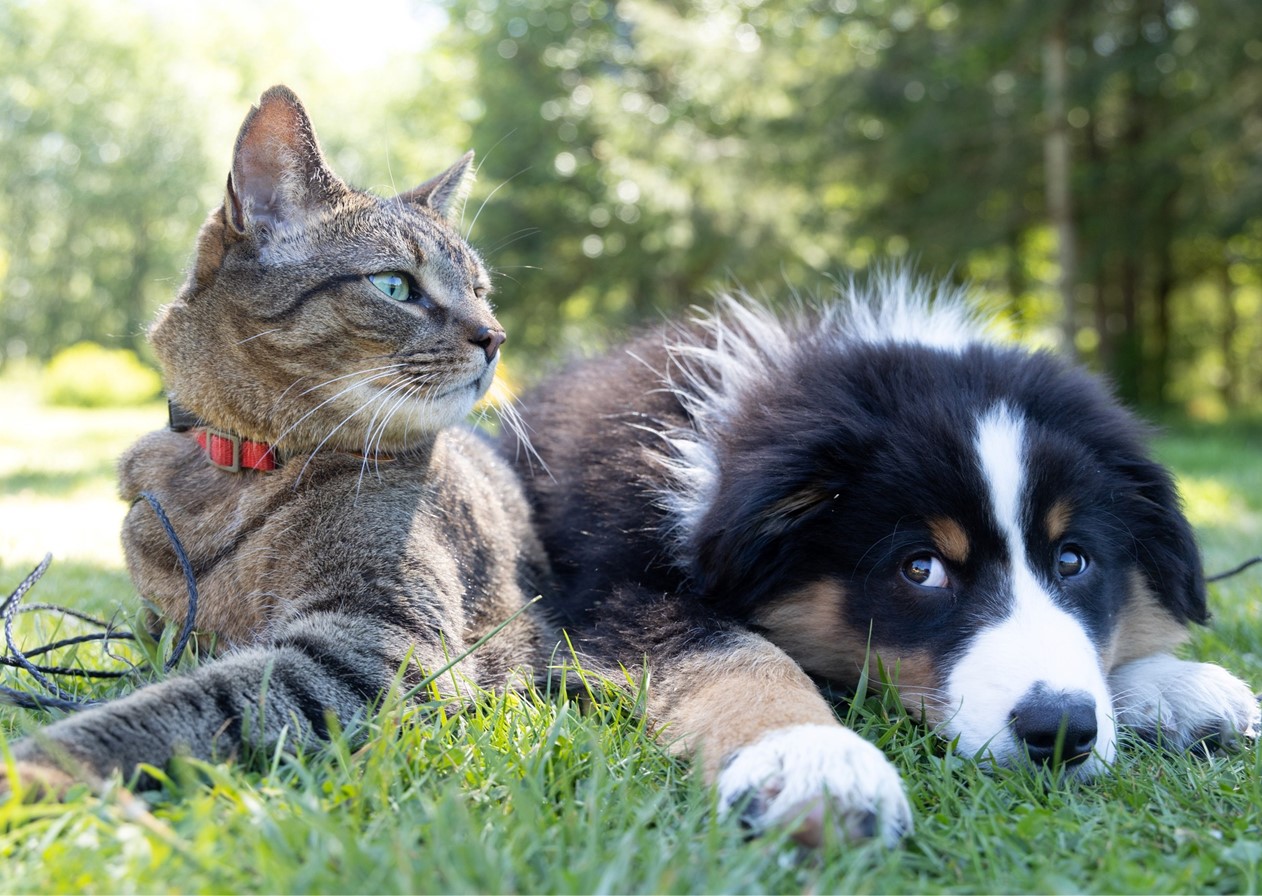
{"x": 1181, "y": 702}
{"x": 801, "y": 775}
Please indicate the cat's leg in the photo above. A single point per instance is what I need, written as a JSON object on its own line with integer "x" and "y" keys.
{"x": 322, "y": 667}
{"x": 1179, "y": 702}
{"x": 759, "y": 730}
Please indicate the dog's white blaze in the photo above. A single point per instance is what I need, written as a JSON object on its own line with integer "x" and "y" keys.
{"x": 999, "y": 453}
{"x": 1036, "y": 642}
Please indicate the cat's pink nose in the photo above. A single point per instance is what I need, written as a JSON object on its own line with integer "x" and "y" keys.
{"x": 489, "y": 339}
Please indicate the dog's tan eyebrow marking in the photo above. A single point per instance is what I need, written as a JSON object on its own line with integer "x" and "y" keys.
{"x": 783, "y": 513}
{"x": 1057, "y": 522}
{"x": 950, "y": 539}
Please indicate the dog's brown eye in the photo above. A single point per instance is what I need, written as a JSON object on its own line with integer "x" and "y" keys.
{"x": 927, "y": 571}
{"x": 1071, "y": 562}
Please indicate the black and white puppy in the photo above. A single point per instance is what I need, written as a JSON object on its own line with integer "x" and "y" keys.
{"x": 749, "y": 501}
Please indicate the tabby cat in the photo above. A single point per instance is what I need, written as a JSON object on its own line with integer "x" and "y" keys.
{"x": 340, "y": 527}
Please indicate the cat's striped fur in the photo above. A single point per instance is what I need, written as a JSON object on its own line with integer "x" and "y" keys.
{"x": 388, "y": 540}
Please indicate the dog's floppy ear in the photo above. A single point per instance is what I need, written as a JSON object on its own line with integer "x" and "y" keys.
{"x": 736, "y": 560}
{"x": 1165, "y": 547}
{"x": 751, "y": 543}
{"x": 1145, "y": 501}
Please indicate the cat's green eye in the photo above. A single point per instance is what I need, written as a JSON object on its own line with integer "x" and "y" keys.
{"x": 393, "y": 285}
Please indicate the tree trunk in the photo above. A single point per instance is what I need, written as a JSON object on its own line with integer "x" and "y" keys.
{"x": 1231, "y": 322}
{"x": 1163, "y": 290}
{"x": 1098, "y": 258}
{"x": 1128, "y": 368}
{"x": 1134, "y": 232}
{"x": 1057, "y": 164}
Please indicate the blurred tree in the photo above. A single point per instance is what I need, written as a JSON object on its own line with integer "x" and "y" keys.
{"x": 641, "y": 155}
{"x": 638, "y": 154}
{"x": 1162, "y": 114}
{"x": 99, "y": 177}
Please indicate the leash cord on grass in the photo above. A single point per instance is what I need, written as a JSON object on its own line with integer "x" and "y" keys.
{"x": 56, "y": 698}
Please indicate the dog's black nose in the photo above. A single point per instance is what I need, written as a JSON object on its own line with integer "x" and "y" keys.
{"x": 1055, "y": 726}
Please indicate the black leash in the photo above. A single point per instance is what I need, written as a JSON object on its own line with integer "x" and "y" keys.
{"x": 190, "y": 582}
{"x": 56, "y": 698}
{"x": 1235, "y": 571}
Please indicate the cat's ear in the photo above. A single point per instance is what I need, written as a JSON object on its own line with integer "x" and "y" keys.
{"x": 445, "y": 192}
{"x": 278, "y": 173}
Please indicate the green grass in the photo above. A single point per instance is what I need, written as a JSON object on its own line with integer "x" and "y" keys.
{"x": 538, "y": 793}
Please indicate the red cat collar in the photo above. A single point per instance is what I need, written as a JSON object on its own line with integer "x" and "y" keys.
{"x": 226, "y": 450}
{"x": 229, "y": 451}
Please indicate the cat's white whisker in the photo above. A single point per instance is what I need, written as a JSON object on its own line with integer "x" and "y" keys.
{"x": 373, "y": 434}
{"x": 279, "y": 404}
{"x": 511, "y": 419}
{"x": 257, "y": 335}
{"x": 501, "y": 186}
{"x": 364, "y": 450}
{"x": 512, "y": 238}
{"x": 280, "y": 398}
{"x": 329, "y": 382}
{"x": 332, "y": 432}
{"x": 407, "y": 394}
{"x": 390, "y": 171}
{"x": 351, "y": 388}
{"x": 477, "y": 169}
{"x": 377, "y": 402}
{"x": 388, "y": 389}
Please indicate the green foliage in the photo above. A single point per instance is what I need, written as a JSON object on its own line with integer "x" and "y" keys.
{"x": 647, "y": 153}
{"x": 531, "y": 793}
{"x": 100, "y": 175}
{"x": 87, "y": 375}
{"x": 631, "y": 174}
{"x": 1156, "y": 124}
{"x": 636, "y": 155}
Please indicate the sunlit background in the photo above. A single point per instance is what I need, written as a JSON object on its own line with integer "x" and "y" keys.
{"x": 1093, "y": 168}
{"x": 1096, "y": 169}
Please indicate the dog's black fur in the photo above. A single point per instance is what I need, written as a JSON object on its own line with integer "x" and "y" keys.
{"x": 745, "y": 492}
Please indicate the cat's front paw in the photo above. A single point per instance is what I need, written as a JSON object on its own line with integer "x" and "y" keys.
{"x": 1180, "y": 703}
{"x": 808, "y": 775}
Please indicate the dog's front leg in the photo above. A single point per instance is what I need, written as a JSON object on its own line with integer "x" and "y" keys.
{"x": 1179, "y": 703}
{"x": 765, "y": 737}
